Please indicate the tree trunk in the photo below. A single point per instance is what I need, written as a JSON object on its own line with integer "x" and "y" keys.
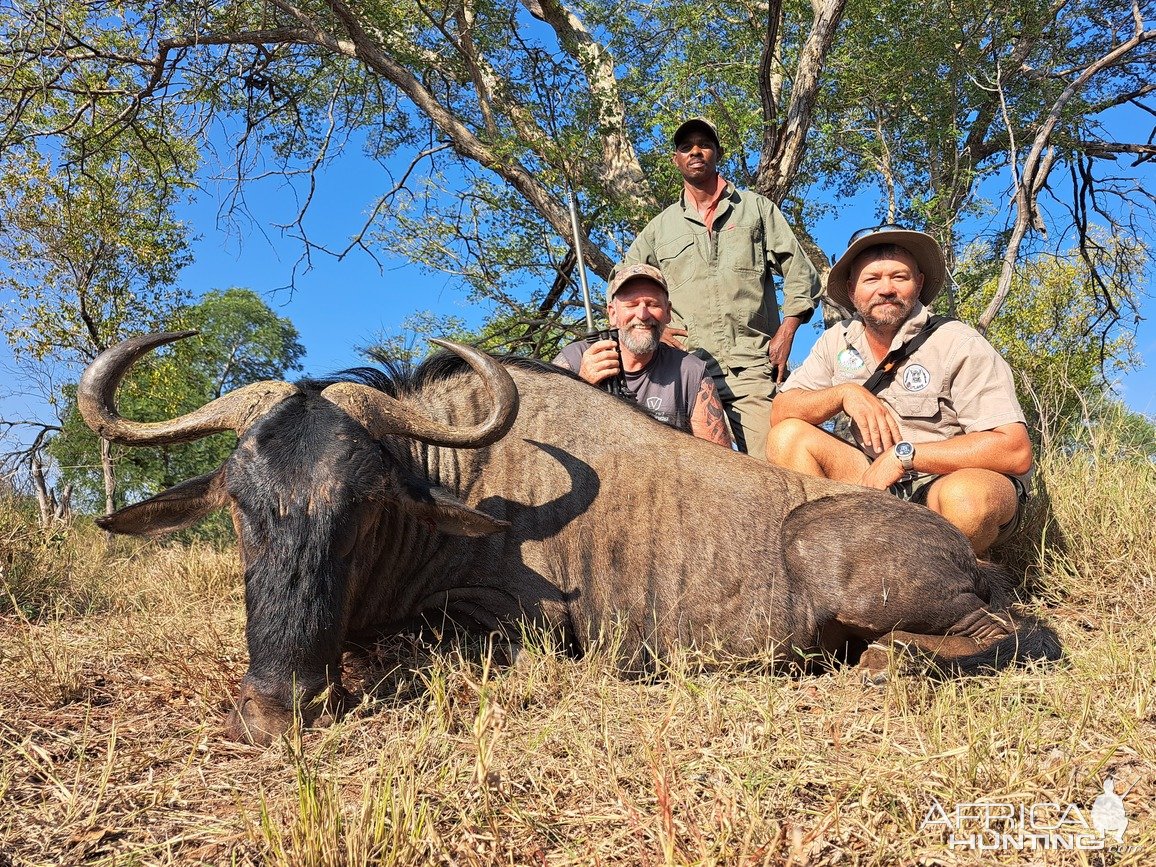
{"x": 63, "y": 512}
{"x": 43, "y": 496}
{"x": 109, "y": 476}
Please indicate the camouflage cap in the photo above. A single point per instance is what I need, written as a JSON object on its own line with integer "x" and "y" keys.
{"x": 625, "y": 274}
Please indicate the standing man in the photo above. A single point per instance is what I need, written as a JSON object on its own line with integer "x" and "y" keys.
{"x": 670, "y": 384}
{"x": 719, "y": 248}
{"x": 943, "y": 429}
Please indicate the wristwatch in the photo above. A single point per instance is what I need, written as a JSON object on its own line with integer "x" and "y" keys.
{"x": 905, "y": 452}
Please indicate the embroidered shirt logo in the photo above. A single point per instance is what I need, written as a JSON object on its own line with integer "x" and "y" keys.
{"x": 916, "y": 377}
{"x": 654, "y": 404}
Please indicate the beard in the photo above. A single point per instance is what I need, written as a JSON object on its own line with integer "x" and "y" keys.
{"x": 641, "y": 339}
{"x": 887, "y": 315}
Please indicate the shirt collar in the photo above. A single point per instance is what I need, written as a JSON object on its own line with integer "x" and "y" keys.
{"x": 726, "y": 194}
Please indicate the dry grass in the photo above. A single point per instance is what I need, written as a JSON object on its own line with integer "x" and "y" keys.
{"x": 117, "y": 663}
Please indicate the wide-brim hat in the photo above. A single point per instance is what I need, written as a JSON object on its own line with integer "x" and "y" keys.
{"x": 695, "y": 124}
{"x": 924, "y": 248}
{"x": 634, "y": 272}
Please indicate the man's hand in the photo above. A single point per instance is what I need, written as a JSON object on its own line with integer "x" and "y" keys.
{"x": 671, "y": 335}
{"x": 779, "y": 349}
{"x": 878, "y": 429}
{"x": 599, "y": 362}
{"x": 884, "y": 471}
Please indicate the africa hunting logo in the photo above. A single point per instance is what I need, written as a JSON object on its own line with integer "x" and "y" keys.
{"x": 992, "y": 825}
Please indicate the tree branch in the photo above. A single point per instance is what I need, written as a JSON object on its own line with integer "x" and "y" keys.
{"x": 1036, "y": 164}
{"x": 784, "y": 148}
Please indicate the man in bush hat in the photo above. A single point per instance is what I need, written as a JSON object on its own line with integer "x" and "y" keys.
{"x": 670, "y": 384}
{"x": 719, "y": 249}
{"x": 933, "y": 407}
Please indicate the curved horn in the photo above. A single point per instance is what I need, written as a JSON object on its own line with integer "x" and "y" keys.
{"x": 381, "y": 415}
{"x": 234, "y": 411}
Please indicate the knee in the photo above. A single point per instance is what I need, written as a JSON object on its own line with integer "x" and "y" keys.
{"x": 974, "y": 498}
{"x": 787, "y": 440}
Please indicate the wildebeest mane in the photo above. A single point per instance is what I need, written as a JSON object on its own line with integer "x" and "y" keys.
{"x": 392, "y": 380}
{"x": 396, "y": 377}
{"x": 444, "y": 365}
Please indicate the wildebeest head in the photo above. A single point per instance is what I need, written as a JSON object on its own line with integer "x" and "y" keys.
{"x": 308, "y": 485}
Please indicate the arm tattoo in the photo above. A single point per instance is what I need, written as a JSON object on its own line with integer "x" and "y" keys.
{"x": 709, "y": 419}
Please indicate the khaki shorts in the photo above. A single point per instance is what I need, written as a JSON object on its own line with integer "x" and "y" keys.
{"x": 915, "y": 489}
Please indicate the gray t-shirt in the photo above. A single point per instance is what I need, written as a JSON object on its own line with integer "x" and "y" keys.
{"x": 667, "y": 387}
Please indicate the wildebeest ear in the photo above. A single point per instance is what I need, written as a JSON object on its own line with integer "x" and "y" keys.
{"x": 179, "y": 507}
{"x": 439, "y": 507}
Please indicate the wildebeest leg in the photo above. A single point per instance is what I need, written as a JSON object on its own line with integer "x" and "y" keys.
{"x": 877, "y": 567}
{"x": 975, "y": 633}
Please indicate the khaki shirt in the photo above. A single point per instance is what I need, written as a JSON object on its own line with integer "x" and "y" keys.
{"x": 721, "y": 283}
{"x": 955, "y": 383}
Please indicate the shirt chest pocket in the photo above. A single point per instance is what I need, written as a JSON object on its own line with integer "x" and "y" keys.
{"x": 677, "y": 260}
{"x": 924, "y": 407}
{"x": 741, "y": 248}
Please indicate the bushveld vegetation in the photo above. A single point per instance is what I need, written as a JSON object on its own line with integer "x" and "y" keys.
{"x": 118, "y": 659}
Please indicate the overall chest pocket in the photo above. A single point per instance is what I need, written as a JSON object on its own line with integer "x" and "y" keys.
{"x": 677, "y": 260}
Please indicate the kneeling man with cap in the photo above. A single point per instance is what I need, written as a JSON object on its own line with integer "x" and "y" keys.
{"x": 672, "y": 385}
{"x": 933, "y": 407}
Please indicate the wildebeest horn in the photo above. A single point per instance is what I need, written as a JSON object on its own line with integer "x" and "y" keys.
{"x": 234, "y": 411}
{"x": 381, "y": 415}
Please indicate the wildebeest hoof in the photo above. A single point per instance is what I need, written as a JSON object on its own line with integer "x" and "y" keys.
{"x": 876, "y": 665}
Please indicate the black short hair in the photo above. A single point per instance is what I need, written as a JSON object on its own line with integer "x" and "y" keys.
{"x": 885, "y": 251}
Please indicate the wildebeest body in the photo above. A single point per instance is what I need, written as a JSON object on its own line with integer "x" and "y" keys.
{"x": 586, "y": 518}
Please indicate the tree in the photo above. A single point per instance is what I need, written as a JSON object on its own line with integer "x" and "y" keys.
{"x": 494, "y": 111}
{"x": 1064, "y": 361}
{"x": 970, "y": 104}
{"x": 90, "y": 251}
{"x": 494, "y": 103}
{"x": 241, "y": 340}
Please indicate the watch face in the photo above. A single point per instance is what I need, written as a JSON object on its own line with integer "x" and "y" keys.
{"x": 904, "y": 450}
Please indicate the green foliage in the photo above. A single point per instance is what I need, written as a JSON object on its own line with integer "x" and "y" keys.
{"x": 925, "y": 106}
{"x": 1050, "y": 332}
{"x": 90, "y": 177}
{"x": 401, "y": 347}
{"x": 241, "y": 340}
{"x": 86, "y": 258}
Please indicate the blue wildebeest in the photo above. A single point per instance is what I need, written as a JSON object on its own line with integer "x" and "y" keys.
{"x": 504, "y": 493}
